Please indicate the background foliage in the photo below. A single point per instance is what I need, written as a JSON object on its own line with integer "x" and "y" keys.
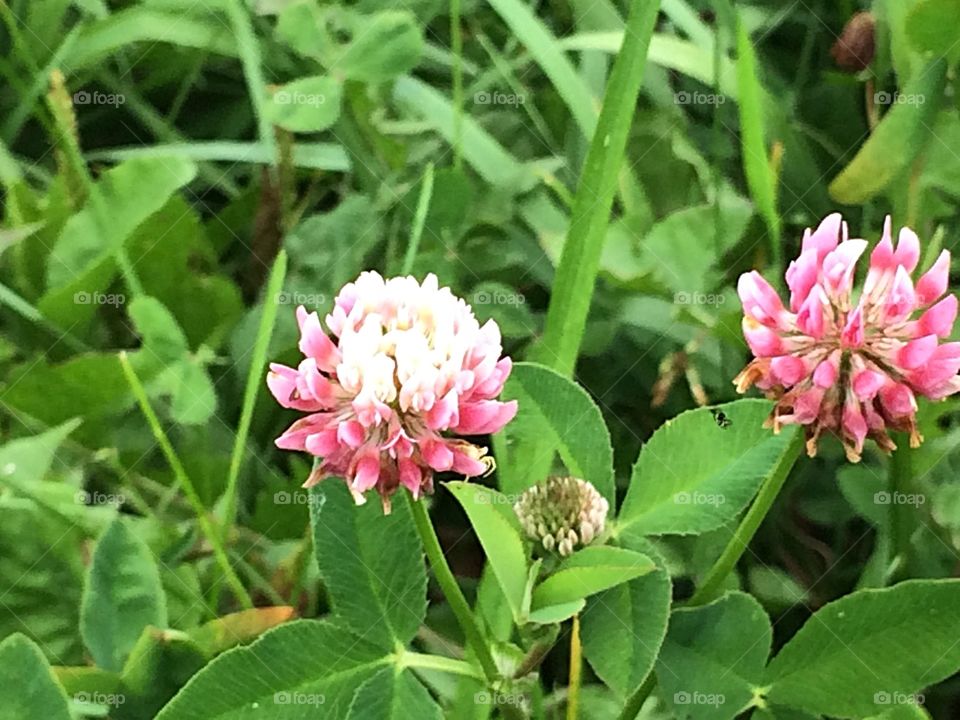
{"x": 178, "y": 176}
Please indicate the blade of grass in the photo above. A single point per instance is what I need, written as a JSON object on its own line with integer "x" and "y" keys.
{"x": 207, "y": 527}
{"x": 419, "y": 219}
{"x": 254, "y": 379}
{"x": 249, "y": 50}
{"x": 456, "y": 40}
{"x": 312, "y": 156}
{"x": 543, "y": 46}
{"x": 580, "y": 261}
{"x": 756, "y": 165}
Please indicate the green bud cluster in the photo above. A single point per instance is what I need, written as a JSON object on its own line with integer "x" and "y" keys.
{"x": 562, "y": 513}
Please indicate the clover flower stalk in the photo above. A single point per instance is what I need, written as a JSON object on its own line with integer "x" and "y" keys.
{"x": 562, "y": 513}
{"x": 848, "y": 364}
{"x": 407, "y": 372}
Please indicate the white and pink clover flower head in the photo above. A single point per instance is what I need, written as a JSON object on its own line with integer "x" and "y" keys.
{"x": 852, "y": 364}
{"x": 407, "y": 371}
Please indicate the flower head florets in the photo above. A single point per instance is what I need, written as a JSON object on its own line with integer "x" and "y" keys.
{"x": 852, "y": 365}
{"x": 408, "y": 369}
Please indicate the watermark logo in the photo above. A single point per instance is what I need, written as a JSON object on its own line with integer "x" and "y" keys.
{"x": 297, "y": 498}
{"x": 499, "y": 98}
{"x": 286, "y": 97}
{"x": 298, "y": 698}
{"x": 698, "y": 98}
{"x": 86, "y": 97}
{"x": 99, "y": 298}
{"x": 298, "y": 298}
{"x": 898, "y": 498}
{"x": 699, "y": 498}
{"x": 486, "y": 697}
{"x": 896, "y": 98}
{"x": 898, "y": 698}
{"x": 698, "y": 698}
{"x": 485, "y": 297}
{"x": 94, "y": 497}
{"x": 698, "y": 298}
{"x": 99, "y": 698}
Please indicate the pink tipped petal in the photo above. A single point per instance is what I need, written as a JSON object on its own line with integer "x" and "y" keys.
{"x": 322, "y": 443}
{"x": 314, "y": 342}
{"x": 908, "y": 250}
{"x": 351, "y": 433}
{"x": 839, "y": 265}
{"x": 933, "y": 283}
{"x": 939, "y": 319}
{"x": 898, "y": 399}
{"x": 788, "y": 370}
{"x": 916, "y": 352}
{"x": 810, "y": 319}
{"x": 853, "y": 332}
{"x": 901, "y": 300}
{"x": 825, "y": 238}
{"x": 368, "y": 472}
{"x": 763, "y": 341}
{"x": 411, "y": 477}
{"x": 759, "y": 299}
{"x": 437, "y": 455}
{"x": 881, "y": 258}
{"x": 854, "y": 425}
{"x": 466, "y": 465}
{"x": 485, "y": 416}
{"x": 827, "y": 371}
{"x": 445, "y": 413}
{"x": 802, "y": 277}
{"x": 867, "y": 383}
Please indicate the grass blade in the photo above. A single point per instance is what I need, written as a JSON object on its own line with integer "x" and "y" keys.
{"x": 580, "y": 262}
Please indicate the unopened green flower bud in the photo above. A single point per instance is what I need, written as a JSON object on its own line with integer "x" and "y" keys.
{"x": 562, "y": 513}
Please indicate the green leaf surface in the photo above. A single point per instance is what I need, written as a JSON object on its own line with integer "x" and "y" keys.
{"x": 158, "y": 328}
{"x": 693, "y": 475}
{"x": 28, "y": 688}
{"x": 493, "y": 519}
{"x": 897, "y": 139}
{"x": 121, "y": 199}
{"x": 557, "y": 415}
{"x": 932, "y": 27}
{"x": 297, "y": 670}
{"x": 308, "y": 104}
{"x": 390, "y": 695}
{"x": 122, "y": 595}
{"x": 372, "y": 564}
{"x": 25, "y": 461}
{"x": 589, "y": 571}
{"x": 713, "y": 657}
{"x": 839, "y": 662}
{"x": 622, "y": 628}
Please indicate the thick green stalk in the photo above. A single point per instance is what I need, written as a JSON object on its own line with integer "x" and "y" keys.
{"x": 408, "y": 659}
{"x": 713, "y": 582}
{"x": 451, "y": 590}
{"x": 580, "y": 261}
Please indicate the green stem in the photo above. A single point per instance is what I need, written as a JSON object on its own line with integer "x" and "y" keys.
{"x": 458, "y": 603}
{"x": 902, "y": 517}
{"x": 580, "y": 262}
{"x": 576, "y": 668}
{"x": 713, "y": 582}
{"x": 183, "y": 480}
{"x": 408, "y": 659}
{"x": 456, "y": 40}
{"x": 419, "y": 220}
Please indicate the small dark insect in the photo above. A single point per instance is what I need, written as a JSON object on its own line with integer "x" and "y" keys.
{"x": 721, "y": 418}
